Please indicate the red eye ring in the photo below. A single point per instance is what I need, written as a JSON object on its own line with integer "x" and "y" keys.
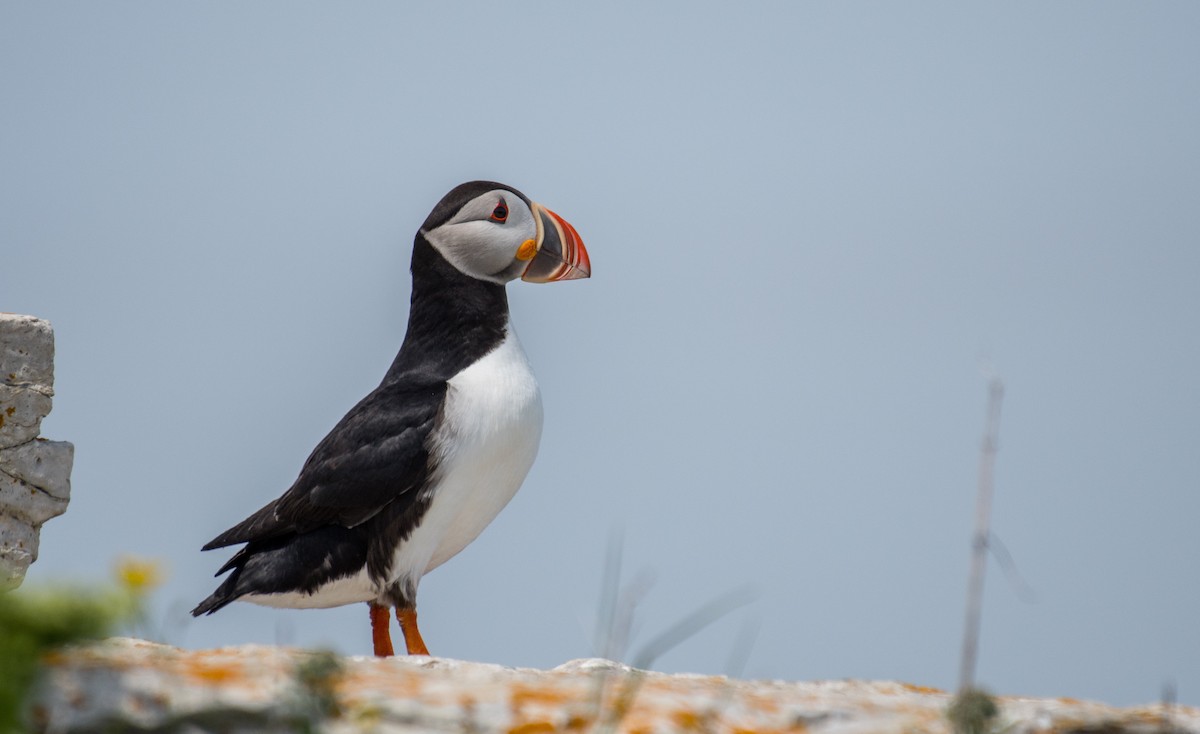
{"x": 500, "y": 213}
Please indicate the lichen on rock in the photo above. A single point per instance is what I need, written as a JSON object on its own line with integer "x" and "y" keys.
{"x": 122, "y": 685}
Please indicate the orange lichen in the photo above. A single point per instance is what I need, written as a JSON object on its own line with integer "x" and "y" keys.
{"x": 577, "y": 722}
{"x": 533, "y": 727}
{"x": 687, "y": 719}
{"x": 212, "y": 673}
{"x": 522, "y": 695}
{"x": 382, "y": 676}
{"x": 920, "y": 689}
{"x": 761, "y": 702}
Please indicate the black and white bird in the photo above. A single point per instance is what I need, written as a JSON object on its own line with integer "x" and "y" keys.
{"x": 415, "y": 471}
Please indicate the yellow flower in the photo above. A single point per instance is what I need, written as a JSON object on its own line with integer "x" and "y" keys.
{"x": 139, "y": 575}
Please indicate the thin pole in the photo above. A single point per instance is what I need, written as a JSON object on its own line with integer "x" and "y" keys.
{"x": 979, "y": 544}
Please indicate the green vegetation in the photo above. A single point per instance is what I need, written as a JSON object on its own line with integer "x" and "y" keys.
{"x": 972, "y": 711}
{"x": 317, "y": 677}
{"x": 35, "y": 621}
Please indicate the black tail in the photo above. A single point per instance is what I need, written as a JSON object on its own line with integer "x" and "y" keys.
{"x": 219, "y": 598}
{"x": 291, "y": 563}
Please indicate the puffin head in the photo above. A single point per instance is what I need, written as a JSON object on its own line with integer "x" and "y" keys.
{"x": 493, "y": 232}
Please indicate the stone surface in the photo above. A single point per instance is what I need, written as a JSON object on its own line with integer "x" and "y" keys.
{"x": 131, "y": 685}
{"x": 18, "y": 549}
{"x": 35, "y": 474}
{"x": 26, "y": 377}
{"x": 27, "y": 353}
{"x": 35, "y": 480}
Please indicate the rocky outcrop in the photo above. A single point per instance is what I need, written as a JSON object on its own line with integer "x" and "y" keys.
{"x": 35, "y": 474}
{"x": 125, "y": 685}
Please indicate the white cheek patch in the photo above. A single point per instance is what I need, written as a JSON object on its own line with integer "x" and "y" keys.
{"x": 480, "y": 247}
{"x": 477, "y": 249}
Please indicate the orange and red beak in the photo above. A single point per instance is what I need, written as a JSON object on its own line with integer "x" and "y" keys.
{"x": 560, "y": 251}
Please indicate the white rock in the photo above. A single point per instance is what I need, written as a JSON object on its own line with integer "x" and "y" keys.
{"x": 124, "y": 685}
{"x": 35, "y": 474}
{"x": 26, "y": 377}
{"x": 18, "y": 549}
{"x": 26, "y": 351}
{"x": 45, "y": 465}
{"x": 35, "y": 481}
{"x": 21, "y": 413}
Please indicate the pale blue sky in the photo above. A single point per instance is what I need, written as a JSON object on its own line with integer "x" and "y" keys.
{"x": 814, "y": 229}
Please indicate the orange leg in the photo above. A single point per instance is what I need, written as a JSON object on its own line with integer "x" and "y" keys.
{"x": 412, "y": 636}
{"x": 380, "y": 635}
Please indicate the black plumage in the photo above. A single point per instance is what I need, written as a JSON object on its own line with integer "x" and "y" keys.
{"x": 361, "y": 491}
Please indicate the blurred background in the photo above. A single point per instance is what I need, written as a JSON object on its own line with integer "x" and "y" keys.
{"x": 817, "y": 231}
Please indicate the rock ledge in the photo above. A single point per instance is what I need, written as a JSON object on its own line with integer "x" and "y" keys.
{"x": 127, "y": 685}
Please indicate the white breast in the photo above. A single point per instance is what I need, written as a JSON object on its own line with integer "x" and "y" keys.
{"x": 487, "y": 440}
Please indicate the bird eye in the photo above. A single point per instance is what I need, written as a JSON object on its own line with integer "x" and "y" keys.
{"x": 500, "y": 213}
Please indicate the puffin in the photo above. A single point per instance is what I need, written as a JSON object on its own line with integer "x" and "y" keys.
{"x": 421, "y": 465}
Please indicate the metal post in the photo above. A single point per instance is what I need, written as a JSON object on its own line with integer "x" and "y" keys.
{"x": 979, "y": 544}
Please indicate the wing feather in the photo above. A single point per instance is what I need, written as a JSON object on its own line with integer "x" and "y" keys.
{"x": 377, "y": 454}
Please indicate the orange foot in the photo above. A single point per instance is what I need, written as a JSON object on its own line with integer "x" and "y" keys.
{"x": 412, "y": 636}
{"x": 381, "y": 636}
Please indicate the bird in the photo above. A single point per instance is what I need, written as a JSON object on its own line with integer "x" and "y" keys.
{"x": 417, "y": 469}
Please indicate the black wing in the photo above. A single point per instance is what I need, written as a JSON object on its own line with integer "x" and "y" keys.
{"x": 377, "y": 454}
